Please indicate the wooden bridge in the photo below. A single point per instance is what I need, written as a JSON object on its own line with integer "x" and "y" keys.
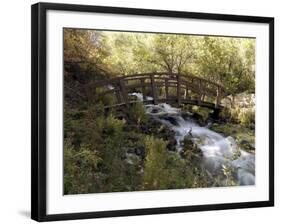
{"x": 161, "y": 87}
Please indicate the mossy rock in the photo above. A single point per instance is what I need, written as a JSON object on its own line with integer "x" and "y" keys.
{"x": 190, "y": 149}
{"x": 246, "y": 145}
{"x": 245, "y": 137}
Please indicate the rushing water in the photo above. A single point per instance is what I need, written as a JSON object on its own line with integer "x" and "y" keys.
{"x": 218, "y": 151}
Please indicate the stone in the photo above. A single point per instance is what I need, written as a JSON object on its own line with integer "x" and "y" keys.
{"x": 140, "y": 151}
{"x": 244, "y": 144}
{"x": 171, "y": 146}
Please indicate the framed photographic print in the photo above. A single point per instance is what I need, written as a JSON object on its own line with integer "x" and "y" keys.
{"x": 139, "y": 111}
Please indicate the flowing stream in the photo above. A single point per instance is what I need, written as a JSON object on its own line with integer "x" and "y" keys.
{"x": 218, "y": 151}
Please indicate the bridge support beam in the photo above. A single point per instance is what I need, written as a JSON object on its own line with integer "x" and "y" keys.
{"x": 118, "y": 97}
{"x": 154, "y": 89}
{"x": 178, "y": 89}
{"x": 123, "y": 91}
{"x": 203, "y": 97}
{"x": 215, "y": 114}
{"x": 187, "y": 92}
{"x": 217, "y": 98}
{"x": 166, "y": 88}
{"x": 143, "y": 89}
{"x": 200, "y": 92}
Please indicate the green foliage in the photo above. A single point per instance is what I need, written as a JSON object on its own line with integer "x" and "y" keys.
{"x": 235, "y": 114}
{"x": 163, "y": 170}
{"x": 80, "y": 169}
{"x": 228, "y": 61}
{"x": 106, "y": 136}
{"x": 226, "y": 177}
{"x": 110, "y": 126}
{"x": 177, "y": 173}
{"x": 172, "y": 52}
{"x": 137, "y": 113}
{"x": 244, "y": 116}
{"x": 154, "y": 163}
{"x": 204, "y": 113}
{"x": 225, "y": 114}
{"x": 247, "y": 118}
{"x": 106, "y": 100}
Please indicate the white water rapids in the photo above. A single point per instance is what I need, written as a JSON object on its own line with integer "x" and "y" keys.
{"x": 218, "y": 151}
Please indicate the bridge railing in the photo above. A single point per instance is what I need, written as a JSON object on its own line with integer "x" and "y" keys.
{"x": 176, "y": 87}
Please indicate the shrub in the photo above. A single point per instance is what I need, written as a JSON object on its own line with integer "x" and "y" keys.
{"x": 228, "y": 176}
{"x": 230, "y": 114}
{"x": 110, "y": 125}
{"x": 177, "y": 173}
{"x": 137, "y": 113}
{"x": 80, "y": 167}
{"x": 225, "y": 114}
{"x": 247, "y": 118}
{"x": 106, "y": 99}
{"x": 154, "y": 163}
{"x": 95, "y": 110}
{"x": 235, "y": 114}
{"x": 203, "y": 112}
{"x": 164, "y": 170}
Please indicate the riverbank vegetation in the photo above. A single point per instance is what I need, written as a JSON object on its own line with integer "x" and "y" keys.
{"x": 135, "y": 152}
{"x": 125, "y": 149}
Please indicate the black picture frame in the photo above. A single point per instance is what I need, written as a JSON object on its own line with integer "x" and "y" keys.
{"x": 39, "y": 107}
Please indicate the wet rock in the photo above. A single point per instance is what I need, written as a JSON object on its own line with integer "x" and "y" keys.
{"x": 188, "y": 141}
{"x": 190, "y": 148}
{"x": 130, "y": 150}
{"x": 200, "y": 119}
{"x": 140, "y": 151}
{"x": 156, "y": 128}
{"x": 171, "y": 119}
{"x": 171, "y": 146}
{"x": 150, "y": 126}
{"x": 132, "y": 138}
{"x": 244, "y": 144}
{"x": 155, "y": 111}
{"x": 123, "y": 156}
{"x": 209, "y": 124}
{"x": 186, "y": 114}
{"x": 132, "y": 159}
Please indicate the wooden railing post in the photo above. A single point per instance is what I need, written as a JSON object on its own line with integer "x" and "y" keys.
{"x": 91, "y": 92}
{"x": 178, "y": 89}
{"x": 217, "y": 97}
{"x": 202, "y": 90}
{"x": 186, "y": 94}
{"x": 200, "y": 94}
{"x": 166, "y": 88}
{"x": 153, "y": 88}
{"x": 143, "y": 88}
{"x": 203, "y": 97}
{"x": 118, "y": 97}
{"x": 123, "y": 91}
